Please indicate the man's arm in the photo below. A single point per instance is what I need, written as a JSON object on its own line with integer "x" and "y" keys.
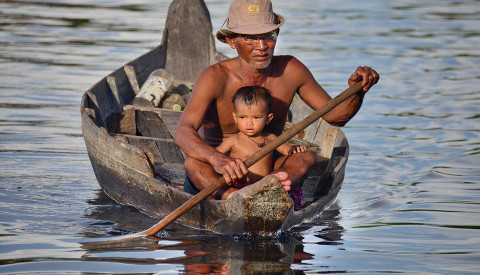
{"x": 315, "y": 96}
{"x": 186, "y": 134}
{"x": 207, "y": 88}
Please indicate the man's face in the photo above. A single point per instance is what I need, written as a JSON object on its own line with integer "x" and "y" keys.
{"x": 256, "y": 50}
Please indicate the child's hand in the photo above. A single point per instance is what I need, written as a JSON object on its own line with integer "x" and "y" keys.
{"x": 297, "y": 149}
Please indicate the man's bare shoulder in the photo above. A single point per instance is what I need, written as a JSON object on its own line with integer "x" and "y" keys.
{"x": 220, "y": 69}
{"x": 289, "y": 62}
{"x": 294, "y": 72}
{"x": 213, "y": 79}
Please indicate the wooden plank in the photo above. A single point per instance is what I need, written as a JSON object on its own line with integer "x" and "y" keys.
{"x": 92, "y": 98}
{"x": 320, "y": 132}
{"x": 300, "y": 110}
{"x": 113, "y": 88}
{"x": 96, "y": 115}
{"x": 132, "y": 78}
{"x": 107, "y": 103}
{"x": 144, "y": 138}
{"x": 122, "y": 123}
{"x": 169, "y": 117}
{"x": 329, "y": 142}
{"x": 149, "y": 124}
{"x": 147, "y": 145}
{"x": 171, "y": 153}
{"x": 173, "y": 173}
{"x": 163, "y": 149}
{"x": 146, "y": 108}
{"x": 188, "y": 59}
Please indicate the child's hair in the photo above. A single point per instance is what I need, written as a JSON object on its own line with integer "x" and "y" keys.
{"x": 250, "y": 95}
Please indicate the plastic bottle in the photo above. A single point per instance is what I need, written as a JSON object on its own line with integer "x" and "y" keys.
{"x": 174, "y": 101}
{"x": 158, "y": 83}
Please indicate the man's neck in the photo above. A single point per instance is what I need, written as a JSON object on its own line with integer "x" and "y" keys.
{"x": 250, "y": 75}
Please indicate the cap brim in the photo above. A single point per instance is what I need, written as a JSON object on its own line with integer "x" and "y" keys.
{"x": 252, "y": 29}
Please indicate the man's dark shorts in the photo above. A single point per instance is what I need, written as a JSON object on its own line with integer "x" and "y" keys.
{"x": 189, "y": 187}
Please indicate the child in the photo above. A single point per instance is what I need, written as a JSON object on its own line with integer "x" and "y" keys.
{"x": 251, "y": 114}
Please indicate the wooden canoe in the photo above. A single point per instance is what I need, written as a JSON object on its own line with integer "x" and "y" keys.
{"x": 136, "y": 162}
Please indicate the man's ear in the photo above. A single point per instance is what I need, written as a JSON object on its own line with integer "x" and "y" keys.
{"x": 269, "y": 117}
{"x": 231, "y": 41}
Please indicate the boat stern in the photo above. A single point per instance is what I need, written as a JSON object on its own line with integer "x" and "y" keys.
{"x": 260, "y": 208}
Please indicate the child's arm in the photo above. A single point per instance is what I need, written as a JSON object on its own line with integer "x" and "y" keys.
{"x": 226, "y": 145}
{"x": 289, "y": 149}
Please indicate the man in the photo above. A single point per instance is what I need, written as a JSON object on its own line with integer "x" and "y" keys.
{"x": 252, "y": 29}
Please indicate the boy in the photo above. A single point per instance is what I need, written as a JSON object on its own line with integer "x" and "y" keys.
{"x": 251, "y": 114}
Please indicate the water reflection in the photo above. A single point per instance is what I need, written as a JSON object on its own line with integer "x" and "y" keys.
{"x": 198, "y": 251}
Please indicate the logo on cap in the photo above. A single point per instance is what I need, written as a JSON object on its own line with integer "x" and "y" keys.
{"x": 253, "y": 9}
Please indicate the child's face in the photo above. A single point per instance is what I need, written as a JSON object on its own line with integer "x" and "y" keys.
{"x": 252, "y": 119}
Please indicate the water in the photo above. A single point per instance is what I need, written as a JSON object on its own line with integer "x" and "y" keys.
{"x": 410, "y": 199}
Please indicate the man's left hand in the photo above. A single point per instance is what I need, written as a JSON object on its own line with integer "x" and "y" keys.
{"x": 367, "y": 75}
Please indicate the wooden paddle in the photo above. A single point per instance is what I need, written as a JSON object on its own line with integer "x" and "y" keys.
{"x": 287, "y": 135}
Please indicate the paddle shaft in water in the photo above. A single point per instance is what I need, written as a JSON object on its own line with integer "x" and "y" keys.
{"x": 287, "y": 135}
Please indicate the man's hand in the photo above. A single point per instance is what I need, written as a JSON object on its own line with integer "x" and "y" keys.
{"x": 367, "y": 75}
{"x": 232, "y": 169}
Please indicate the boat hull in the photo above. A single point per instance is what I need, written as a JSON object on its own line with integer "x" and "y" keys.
{"x": 136, "y": 162}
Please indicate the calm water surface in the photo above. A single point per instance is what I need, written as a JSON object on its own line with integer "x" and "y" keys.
{"x": 410, "y": 202}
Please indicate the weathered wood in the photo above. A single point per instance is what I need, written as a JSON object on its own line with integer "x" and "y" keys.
{"x": 172, "y": 173}
{"x": 107, "y": 104}
{"x": 143, "y": 138}
{"x": 147, "y": 145}
{"x": 91, "y": 104}
{"x": 188, "y": 30}
{"x": 300, "y": 110}
{"x": 150, "y": 124}
{"x": 122, "y": 123}
{"x": 163, "y": 149}
{"x": 329, "y": 142}
{"x": 171, "y": 153}
{"x": 92, "y": 99}
{"x": 113, "y": 87}
{"x": 169, "y": 117}
{"x": 132, "y": 78}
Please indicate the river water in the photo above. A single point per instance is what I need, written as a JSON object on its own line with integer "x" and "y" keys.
{"x": 410, "y": 202}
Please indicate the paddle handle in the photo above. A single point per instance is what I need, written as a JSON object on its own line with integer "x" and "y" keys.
{"x": 300, "y": 126}
{"x": 287, "y": 135}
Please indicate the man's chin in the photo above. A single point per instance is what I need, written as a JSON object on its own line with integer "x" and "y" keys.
{"x": 261, "y": 65}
